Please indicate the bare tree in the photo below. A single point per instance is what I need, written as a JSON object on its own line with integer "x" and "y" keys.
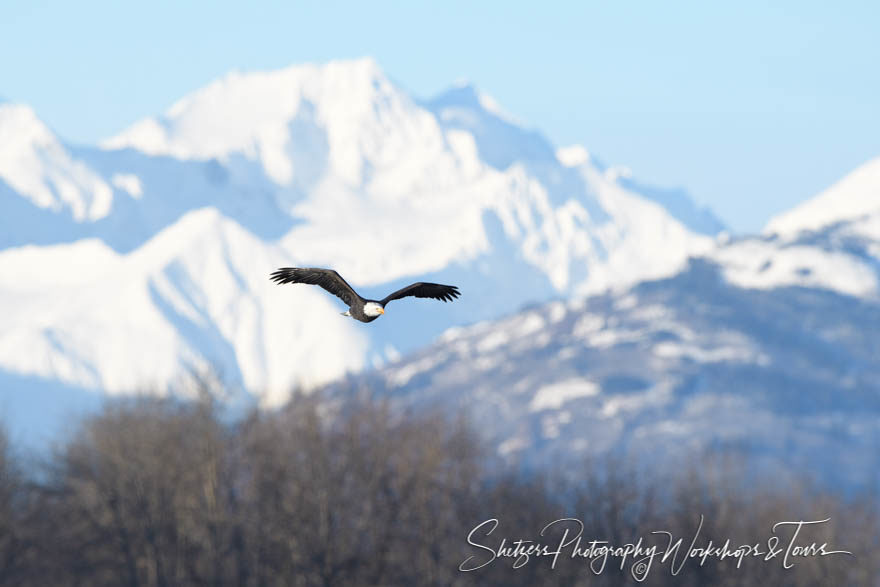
{"x": 168, "y": 492}
{"x": 14, "y": 540}
{"x": 137, "y": 495}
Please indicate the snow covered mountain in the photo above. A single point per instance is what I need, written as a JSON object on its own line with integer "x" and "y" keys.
{"x": 788, "y": 377}
{"x": 766, "y": 346}
{"x": 343, "y": 144}
{"x": 856, "y": 197}
{"x": 52, "y": 193}
{"x": 831, "y": 241}
{"x": 36, "y": 166}
{"x": 121, "y": 267}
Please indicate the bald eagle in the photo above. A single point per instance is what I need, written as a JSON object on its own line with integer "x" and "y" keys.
{"x": 358, "y": 307}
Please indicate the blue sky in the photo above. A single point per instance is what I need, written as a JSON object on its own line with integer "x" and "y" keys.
{"x": 752, "y": 106}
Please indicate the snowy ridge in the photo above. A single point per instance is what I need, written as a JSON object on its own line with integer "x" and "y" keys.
{"x": 832, "y": 260}
{"x": 830, "y": 242}
{"x": 161, "y": 312}
{"x": 36, "y": 166}
{"x": 346, "y": 115}
{"x": 854, "y": 197}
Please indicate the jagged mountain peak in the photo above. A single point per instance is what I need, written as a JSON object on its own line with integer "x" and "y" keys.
{"x": 574, "y": 156}
{"x": 501, "y": 139}
{"x": 466, "y": 94}
{"x": 37, "y": 166}
{"x": 344, "y": 114}
{"x": 19, "y": 122}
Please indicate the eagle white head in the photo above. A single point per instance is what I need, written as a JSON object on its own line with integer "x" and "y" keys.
{"x": 332, "y": 282}
{"x": 373, "y": 309}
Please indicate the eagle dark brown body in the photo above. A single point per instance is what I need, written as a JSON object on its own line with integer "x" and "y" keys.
{"x": 360, "y": 308}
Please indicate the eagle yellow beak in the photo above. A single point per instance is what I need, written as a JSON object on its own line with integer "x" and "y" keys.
{"x": 381, "y": 310}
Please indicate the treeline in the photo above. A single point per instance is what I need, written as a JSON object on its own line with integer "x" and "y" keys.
{"x": 165, "y": 492}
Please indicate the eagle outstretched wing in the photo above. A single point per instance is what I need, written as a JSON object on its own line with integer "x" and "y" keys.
{"x": 326, "y": 278}
{"x": 434, "y": 291}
